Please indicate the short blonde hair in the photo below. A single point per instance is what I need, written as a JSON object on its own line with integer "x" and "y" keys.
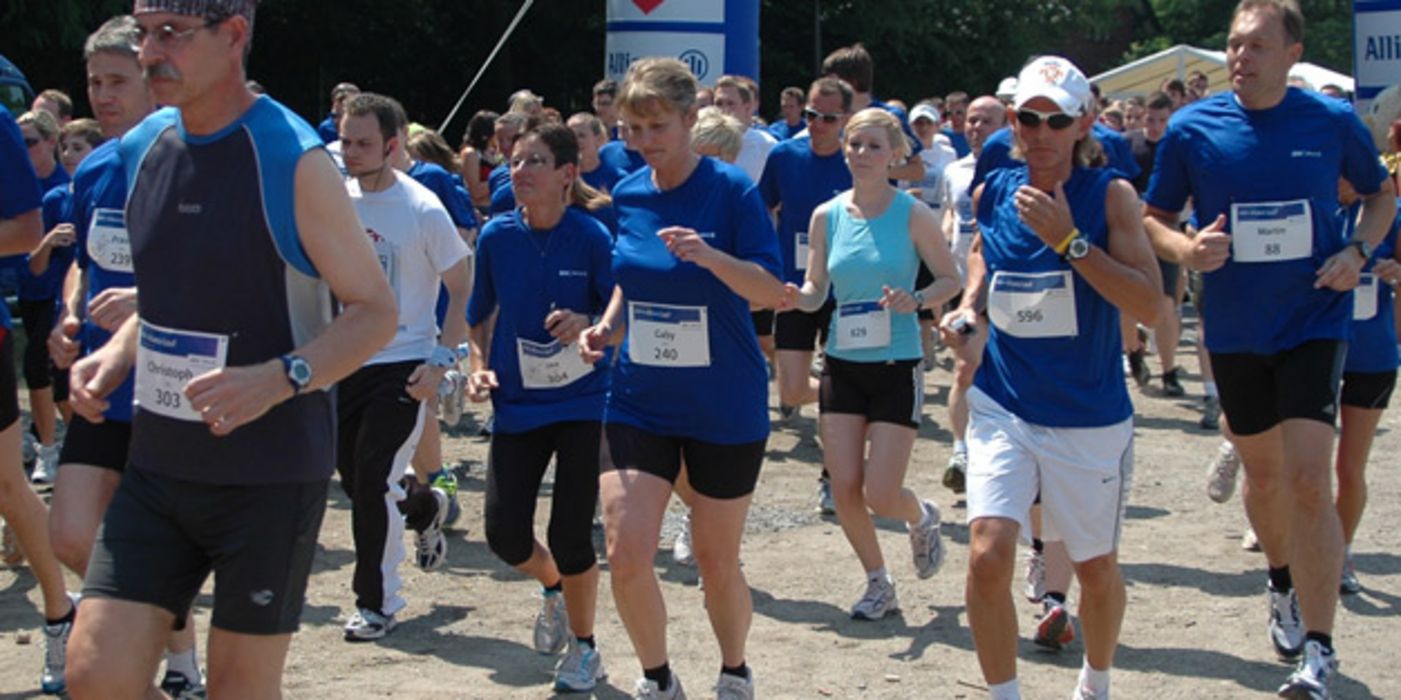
{"x": 719, "y": 130}
{"x": 877, "y": 118}
{"x": 654, "y": 84}
{"x": 43, "y": 122}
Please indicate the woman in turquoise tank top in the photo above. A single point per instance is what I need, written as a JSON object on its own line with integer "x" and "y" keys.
{"x": 872, "y": 386}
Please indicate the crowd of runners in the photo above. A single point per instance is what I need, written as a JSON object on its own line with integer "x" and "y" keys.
{"x": 626, "y": 287}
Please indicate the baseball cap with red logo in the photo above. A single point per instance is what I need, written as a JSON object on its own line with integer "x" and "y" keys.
{"x": 1056, "y": 79}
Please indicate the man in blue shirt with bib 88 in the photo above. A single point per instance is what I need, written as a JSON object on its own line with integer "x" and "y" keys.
{"x": 1268, "y": 241}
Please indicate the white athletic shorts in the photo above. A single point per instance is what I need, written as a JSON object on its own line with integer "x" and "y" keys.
{"x": 1082, "y": 474}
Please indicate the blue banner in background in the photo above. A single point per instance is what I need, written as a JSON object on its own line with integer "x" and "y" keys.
{"x": 1376, "y": 26}
{"x": 713, "y": 37}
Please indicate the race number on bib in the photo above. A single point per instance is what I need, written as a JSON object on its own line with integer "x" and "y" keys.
{"x": 549, "y": 365}
{"x": 800, "y": 251}
{"x": 664, "y": 335}
{"x": 1033, "y": 305}
{"x": 1364, "y": 298}
{"x": 166, "y": 360}
{"x": 1271, "y": 231}
{"x": 862, "y": 324}
{"x": 388, "y": 259}
{"x": 108, "y": 244}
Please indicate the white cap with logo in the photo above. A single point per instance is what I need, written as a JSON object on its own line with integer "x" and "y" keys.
{"x": 924, "y": 111}
{"x": 1056, "y": 79}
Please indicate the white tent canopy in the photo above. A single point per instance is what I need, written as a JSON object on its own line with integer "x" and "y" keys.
{"x": 1146, "y": 74}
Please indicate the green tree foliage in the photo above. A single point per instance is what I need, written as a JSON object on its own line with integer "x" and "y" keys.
{"x": 1205, "y": 23}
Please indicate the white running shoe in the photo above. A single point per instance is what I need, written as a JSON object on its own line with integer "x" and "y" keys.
{"x": 45, "y": 464}
{"x": 367, "y": 625}
{"x": 1348, "y": 584}
{"x": 1083, "y": 693}
{"x": 878, "y": 601}
{"x": 431, "y": 546}
{"x": 451, "y": 391}
{"x": 1221, "y": 473}
{"x": 580, "y": 669}
{"x": 1035, "y": 575}
{"x": 681, "y": 551}
{"x": 730, "y": 687}
{"x": 1310, "y": 680}
{"x": 1286, "y": 625}
{"x": 926, "y": 542}
{"x": 1249, "y": 541}
{"x": 648, "y": 690}
{"x": 551, "y": 624}
{"x": 1054, "y": 630}
{"x": 825, "y": 504}
{"x": 51, "y": 681}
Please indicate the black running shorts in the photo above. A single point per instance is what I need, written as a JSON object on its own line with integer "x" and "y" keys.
{"x": 883, "y": 392}
{"x": 1260, "y": 391}
{"x": 715, "y": 471}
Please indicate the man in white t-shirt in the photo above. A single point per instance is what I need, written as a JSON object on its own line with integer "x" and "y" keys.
{"x": 382, "y": 406}
{"x": 984, "y": 116}
{"x": 734, "y": 96}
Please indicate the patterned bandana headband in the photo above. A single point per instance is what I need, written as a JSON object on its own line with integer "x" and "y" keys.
{"x": 210, "y": 10}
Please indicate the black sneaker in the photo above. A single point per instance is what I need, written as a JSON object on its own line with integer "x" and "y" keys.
{"x": 1171, "y": 385}
{"x": 1139, "y": 369}
{"x": 1211, "y": 414}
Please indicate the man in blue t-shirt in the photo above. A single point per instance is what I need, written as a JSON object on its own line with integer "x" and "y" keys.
{"x": 329, "y": 128}
{"x": 1262, "y": 164}
{"x": 956, "y": 111}
{"x": 792, "y": 102}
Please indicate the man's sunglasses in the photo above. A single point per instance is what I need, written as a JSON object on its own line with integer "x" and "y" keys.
{"x": 1031, "y": 119}
{"x": 813, "y": 115}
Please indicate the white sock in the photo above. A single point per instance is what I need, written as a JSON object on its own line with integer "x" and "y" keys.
{"x": 1005, "y": 691}
{"x": 877, "y": 575}
{"x": 1210, "y": 389}
{"x": 185, "y": 663}
{"x": 1098, "y": 681}
{"x": 960, "y": 447}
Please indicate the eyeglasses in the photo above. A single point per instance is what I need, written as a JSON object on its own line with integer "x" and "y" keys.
{"x": 813, "y": 115}
{"x": 30, "y": 142}
{"x": 168, "y": 35}
{"x": 532, "y": 161}
{"x": 1031, "y": 119}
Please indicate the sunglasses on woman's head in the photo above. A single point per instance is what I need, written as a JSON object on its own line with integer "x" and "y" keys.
{"x": 813, "y": 115}
{"x": 1031, "y": 119}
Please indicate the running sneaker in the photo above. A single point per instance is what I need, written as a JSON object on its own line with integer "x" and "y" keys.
{"x": 451, "y": 391}
{"x": 681, "y": 551}
{"x": 1310, "y": 680}
{"x": 45, "y": 464}
{"x": 1286, "y": 625}
{"x": 431, "y": 545}
{"x": 551, "y": 624}
{"x": 179, "y": 687}
{"x": 446, "y": 481}
{"x": 878, "y": 601}
{"x": 825, "y": 504}
{"x": 580, "y": 669}
{"x": 1348, "y": 584}
{"x": 1054, "y": 630}
{"x": 1172, "y": 386}
{"x": 1083, "y": 693}
{"x": 1250, "y": 542}
{"x": 648, "y": 690}
{"x": 786, "y": 414}
{"x": 1138, "y": 368}
{"x": 731, "y": 687}
{"x": 954, "y": 474}
{"x": 926, "y": 543}
{"x": 51, "y": 681}
{"x": 1221, "y": 473}
{"x": 1035, "y": 575}
{"x": 1211, "y": 414}
{"x": 367, "y": 625}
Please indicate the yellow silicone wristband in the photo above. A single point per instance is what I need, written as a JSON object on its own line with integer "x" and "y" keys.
{"x": 1065, "y": 244}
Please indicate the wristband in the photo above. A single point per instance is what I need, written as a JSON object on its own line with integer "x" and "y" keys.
{"x": 1064, "y": 245}
{"x": 919, "y": 298}
{"x": 442, "y": 357}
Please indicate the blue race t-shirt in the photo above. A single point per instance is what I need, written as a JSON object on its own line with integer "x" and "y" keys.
{"x": 19, "y": 185}
{"x": 959, "y": 141}
{"x": 1276, "y": 172}
{"x": 327, "y": 129}
{"x": 691, "y": 365}
{"x": 782, "y": 131}
{"x": 604, "y": 177}
{"x": 500, "y": 176}
{"x": 102, "y": 249}
{"x": 799, "y": 180}
{"x": 1053, "y": 349}
{"x": 615, "y": 155}
{"x": 525, "y": 274}
{"x": 49, "y": 283}
{"x": 1117, "y": 150}
{"x": 1372, "y": 342}
{"x": 450, "y": 193}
